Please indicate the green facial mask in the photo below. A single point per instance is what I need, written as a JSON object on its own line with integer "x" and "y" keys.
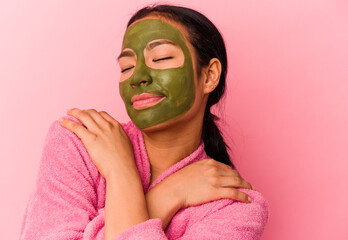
{"x": 176, "y": 84}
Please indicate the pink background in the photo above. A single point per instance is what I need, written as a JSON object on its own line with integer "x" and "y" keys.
{"x": 286, "y": 105}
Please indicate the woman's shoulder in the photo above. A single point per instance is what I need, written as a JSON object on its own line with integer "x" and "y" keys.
{"x": 60, "y": 140}
{"x": 64, "y": 150}
{"x": 58, "y": 131}
{"x": 235, "y": 209}
{"x": 257, "y": 210}
{"x": 244, "y": 220}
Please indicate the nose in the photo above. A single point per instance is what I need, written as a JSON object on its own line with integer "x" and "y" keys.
{"x": 141, "y": 76}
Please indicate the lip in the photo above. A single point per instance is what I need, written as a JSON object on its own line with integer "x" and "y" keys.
{"x": 146, "y": 100}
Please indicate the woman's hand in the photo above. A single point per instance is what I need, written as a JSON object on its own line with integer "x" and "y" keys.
{"x": 209, "y": 180}
{"x": 200, "y": 182}
{"x": 104, "y": 138}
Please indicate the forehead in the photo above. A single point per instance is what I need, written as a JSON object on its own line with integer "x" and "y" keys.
{"x": 139, "y": 34}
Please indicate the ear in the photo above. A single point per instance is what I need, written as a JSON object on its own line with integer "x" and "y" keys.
{"x": 212, "y": 75}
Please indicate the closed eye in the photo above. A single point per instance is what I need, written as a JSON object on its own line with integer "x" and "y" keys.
{"x": 126, "y": 69}
{"x": 161, "y": 59}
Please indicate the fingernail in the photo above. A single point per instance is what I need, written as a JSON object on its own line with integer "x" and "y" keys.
{"x": 250, "y": 200}
{"x": 60, "y": 119}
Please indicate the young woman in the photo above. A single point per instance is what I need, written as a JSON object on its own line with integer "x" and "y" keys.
{"x": 164, "y": 175}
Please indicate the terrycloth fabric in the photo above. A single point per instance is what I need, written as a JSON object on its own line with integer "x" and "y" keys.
{"x": 69, "y": 199}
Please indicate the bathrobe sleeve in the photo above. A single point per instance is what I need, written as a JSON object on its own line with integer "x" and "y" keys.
{"x": 64, "y": 203}
{"x": 227, "y": 219}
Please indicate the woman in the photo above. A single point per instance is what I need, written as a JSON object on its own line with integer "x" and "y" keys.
{"x": 152, "y": 178}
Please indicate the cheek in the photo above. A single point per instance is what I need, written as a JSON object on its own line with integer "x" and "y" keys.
{"x": 177, "y": 80}
{"x": 126, "y": 75}
{"x": 125, "y": 91}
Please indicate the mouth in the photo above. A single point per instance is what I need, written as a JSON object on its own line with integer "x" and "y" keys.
{"x": 146, "y": 100}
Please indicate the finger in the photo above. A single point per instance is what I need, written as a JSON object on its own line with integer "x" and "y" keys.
{"x": 227, "y": 167}
{"x": 98, "y": 118}
{"x": 234, "y": 194}
{"x": 233, "y": 181}
{"x": 85, "y": 118}
{"x": 109, "y": 118}
{"x": 234, "y": 173}
{"x": 228, "y": 171}
{"x": 76, "y": 128}
{"x": 248, "y": 185}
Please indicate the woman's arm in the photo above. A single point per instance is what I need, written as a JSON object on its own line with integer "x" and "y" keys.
{"x": 125, "y": 204}
{"x": 200, "y": 182}
{"x": 64, "y": 204}
{"x": 224, "y": 219}
{"x": 163, "y": 201}
{"x": 112, "y": 153}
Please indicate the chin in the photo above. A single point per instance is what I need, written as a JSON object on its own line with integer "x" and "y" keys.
{"x": 172, "y": 123}
{"x": 177, "y": 123}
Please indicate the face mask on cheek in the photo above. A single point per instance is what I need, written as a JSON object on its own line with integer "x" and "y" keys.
{"x": 175, "y": 84}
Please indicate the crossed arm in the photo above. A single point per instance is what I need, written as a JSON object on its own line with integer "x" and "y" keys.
{"x": 67, "y": 170}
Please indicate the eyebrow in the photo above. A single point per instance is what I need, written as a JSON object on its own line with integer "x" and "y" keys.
{"x": 127, "y": 53}
{"x": 152, "y": 45}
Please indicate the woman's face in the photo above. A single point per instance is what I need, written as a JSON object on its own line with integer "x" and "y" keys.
{"x": 157, "y": 75}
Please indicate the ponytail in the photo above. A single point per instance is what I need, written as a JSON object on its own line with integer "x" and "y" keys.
{"x": 214, "y": 144}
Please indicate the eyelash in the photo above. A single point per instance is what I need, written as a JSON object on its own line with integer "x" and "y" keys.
{"x": 127, "y": 69}
{"x": 154, "y": 60}
{"x": 160, "y": 59}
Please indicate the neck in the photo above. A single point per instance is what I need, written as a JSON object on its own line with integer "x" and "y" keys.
{"x": 171, "y": 144}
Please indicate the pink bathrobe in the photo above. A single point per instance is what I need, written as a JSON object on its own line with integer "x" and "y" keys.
{"x": 69, "y": 199}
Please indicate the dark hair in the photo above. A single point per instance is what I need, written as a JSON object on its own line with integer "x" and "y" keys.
{"x": 208, "y": 44}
